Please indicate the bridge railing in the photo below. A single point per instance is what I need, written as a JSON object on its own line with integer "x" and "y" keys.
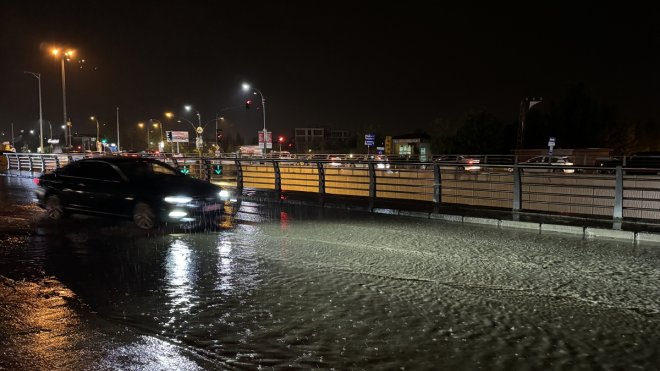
{"x": 616, "y": 193}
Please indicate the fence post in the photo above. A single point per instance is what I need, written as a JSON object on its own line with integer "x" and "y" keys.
{"x": 321, "y": 170}
{"x": 618, "y": 195}
{"x": 43, "y": 164}
{"x": 278, "y": 177}
{"x": 517, "y": 188}
{"x": 372, "y": 185}
{"x": 239, "y": 175}
{"x": 437, "y": 188}
{"x": 30, "y": 163}
{"x": 57, "y": 162}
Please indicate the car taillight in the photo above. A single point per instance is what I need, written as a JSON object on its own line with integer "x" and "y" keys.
{"x": 470, "y": 162}
{"x": 35, "y": 181}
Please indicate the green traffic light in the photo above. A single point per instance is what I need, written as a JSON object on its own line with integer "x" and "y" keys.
{"x": 218, "y": 169}
{"x": 185, "y": 170}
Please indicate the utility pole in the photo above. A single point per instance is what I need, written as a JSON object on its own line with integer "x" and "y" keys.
{"x": 118, "y": 147}
{"x": 525, "y": 105}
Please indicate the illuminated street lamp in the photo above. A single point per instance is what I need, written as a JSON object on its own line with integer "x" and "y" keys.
{"x": 141, "y": 126}
{"x": 157, "y": 124}
{"x": 64, "y": 55}
{"x": 41, "y": 127}
{"x": 246, "y": 88}
{"x": 98, "y": 148}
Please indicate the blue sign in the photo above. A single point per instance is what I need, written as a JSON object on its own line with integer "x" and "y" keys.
{"x": 369, "y": 139}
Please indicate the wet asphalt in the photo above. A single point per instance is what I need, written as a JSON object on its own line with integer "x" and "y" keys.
{"x": 302, "y": 287}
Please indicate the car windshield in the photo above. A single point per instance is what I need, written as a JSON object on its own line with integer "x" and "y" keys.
{"x": 145, "y": 169}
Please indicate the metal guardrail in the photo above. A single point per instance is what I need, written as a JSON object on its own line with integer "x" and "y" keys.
{"x": 565, "y": 190}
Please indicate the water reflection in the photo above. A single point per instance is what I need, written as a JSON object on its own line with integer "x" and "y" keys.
{"x": 179, "y": 274}
{"x": 224, "y": 279}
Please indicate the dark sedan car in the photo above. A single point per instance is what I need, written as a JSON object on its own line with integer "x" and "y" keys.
{"x": 145, "y": 190}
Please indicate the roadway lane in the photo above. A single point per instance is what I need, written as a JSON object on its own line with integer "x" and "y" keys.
{"x": 304, "y": 287}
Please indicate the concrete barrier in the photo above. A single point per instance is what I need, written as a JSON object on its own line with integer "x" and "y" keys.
{"x": 447, "y": 217}
{"x": 558, "y": 228}
{"x": 513, "y": 224}
{"x": 417, "y": 214}
{"x": 484, "y": 221}
{"x": 590, "y": 232}
{"x": 647, "y": 237}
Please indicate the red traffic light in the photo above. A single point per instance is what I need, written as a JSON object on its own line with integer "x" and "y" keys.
{"x": 248, "y": 103}
{"x": 281, "y": 139}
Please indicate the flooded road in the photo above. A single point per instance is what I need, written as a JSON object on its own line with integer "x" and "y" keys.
{"x": 302, "y": 287}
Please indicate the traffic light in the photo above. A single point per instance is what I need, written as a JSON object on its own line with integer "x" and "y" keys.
{"x": 169, "y": 136}
{"x": 247, "y": 104}
{"x": 281, "y": 139}
{"x": 104, "y": 140}
{"x": 217, "y": 169}
{"x": 185, "y": 169}
{"x": 218, "y": 135}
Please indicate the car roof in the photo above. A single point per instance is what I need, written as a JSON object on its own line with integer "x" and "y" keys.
{"x": 119, "y": 160}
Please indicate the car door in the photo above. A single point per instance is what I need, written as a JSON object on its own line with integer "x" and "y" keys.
{"x": 105, "y": 188}
{"x": 71, "y": 184}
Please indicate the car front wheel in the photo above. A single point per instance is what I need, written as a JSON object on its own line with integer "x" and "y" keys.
{"x": 144, "y": 216}
{"x": 54, "y": 209}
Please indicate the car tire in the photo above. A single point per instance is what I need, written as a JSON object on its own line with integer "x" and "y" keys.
{"x": 143, "y": 216}
{"x": 54, "y": 208}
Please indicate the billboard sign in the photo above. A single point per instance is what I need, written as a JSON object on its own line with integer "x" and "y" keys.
{"x": 177, "y": 136}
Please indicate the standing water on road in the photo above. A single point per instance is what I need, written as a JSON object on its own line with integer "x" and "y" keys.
{"x": 315, "y": 288}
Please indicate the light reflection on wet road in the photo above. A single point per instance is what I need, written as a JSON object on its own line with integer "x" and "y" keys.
{"x": 306, "y": 288}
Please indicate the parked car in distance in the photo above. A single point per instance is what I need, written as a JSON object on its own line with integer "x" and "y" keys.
{"x": 148, "y": 191}
{"x": 638, "y": 163}
{"x": 545, "y": 163}
{"x": 464, "y": 162}
{"x": 335, "y": 160}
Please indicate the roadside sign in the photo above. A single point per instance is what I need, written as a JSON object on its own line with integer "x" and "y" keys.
{"x": 551, "y": 147}
{"x": 369, "y": 139}
{"x": 265, "y": 141}
{"x": 176, "y": 136}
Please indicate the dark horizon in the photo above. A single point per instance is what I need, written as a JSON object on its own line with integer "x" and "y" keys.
{"x": 344, "y": 66}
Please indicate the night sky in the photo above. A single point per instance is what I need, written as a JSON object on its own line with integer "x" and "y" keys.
{"x": 345, "y": 65}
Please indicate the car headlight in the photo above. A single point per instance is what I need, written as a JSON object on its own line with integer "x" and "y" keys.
{"x": 177, "y": 199}
{"x": 224, "y": 194}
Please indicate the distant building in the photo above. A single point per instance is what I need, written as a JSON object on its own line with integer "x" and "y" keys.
{"x": 321, "y": 139}
{"x": 417, "y": 144}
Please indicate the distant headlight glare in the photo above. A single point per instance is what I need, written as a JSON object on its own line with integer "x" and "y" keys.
{"x": 224, "y": 194}
{"x": 178, "y": 199}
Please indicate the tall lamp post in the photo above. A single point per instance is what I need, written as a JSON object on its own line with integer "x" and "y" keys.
{"x": 64, "y": 55}
{"x": 170, "y": 115}
{"x": 525, "y": 105}
{"x": 41, "y": 125}
{"x": 246, "y": 88}
{"x": 199, "y": 140}
{"x": 141, "y": 126}
{"x": 158, "y": 124}
{"x": 98, "y": 148}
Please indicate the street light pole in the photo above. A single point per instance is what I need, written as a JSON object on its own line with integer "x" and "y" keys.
{"x": 64, "y": 103}
{"x": 41, "y": 128}
{"x": 247, "y": 87}
{"x": 525, "y": 105}
{"x": 97, "y": 133}
{"x": 118, "y": 147}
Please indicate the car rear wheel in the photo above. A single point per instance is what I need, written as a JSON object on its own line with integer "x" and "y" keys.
{"x": 54, "y": 209}
{"x": 144, "y": 216}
